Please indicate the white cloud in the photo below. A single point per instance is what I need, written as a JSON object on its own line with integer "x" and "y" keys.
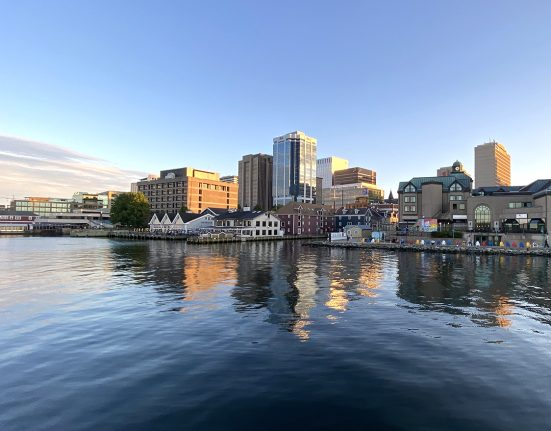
{"x": 30, "y": 168}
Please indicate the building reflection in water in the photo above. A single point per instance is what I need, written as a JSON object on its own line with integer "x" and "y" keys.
{"x": 487, "y": 289}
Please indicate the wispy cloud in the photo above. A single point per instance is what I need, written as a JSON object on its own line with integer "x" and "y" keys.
{"x": 30, "y": 168}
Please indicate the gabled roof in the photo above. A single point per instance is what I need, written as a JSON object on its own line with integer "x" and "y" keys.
{"x": 446, "y": 182}
{"x": 239, "y": 215}
{"x": 352, "y": 211}
{"x": 305, "y": 208}
{"x": 214, "y": 211}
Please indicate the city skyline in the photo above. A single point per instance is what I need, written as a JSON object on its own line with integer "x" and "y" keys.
{"x": 401, "y": 89}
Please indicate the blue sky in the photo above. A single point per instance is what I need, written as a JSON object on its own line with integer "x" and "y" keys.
{"x": 402, "y": 87}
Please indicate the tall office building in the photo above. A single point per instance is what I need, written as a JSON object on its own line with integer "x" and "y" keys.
{"x": 295, "y": 162}
{"x": 327, "y": 166}
{"x": 492, "y": 165}
{"x": 255, "y": 181}
{"x": 354, "y": 175}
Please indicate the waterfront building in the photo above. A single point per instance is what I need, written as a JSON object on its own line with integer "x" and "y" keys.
{"x": 367, "y": 217}
{"x": 492, "y": 165}
{"x": 354, "y": 176}
{"x": 303, "y": 219}
{"x": 87, "y": 201}
{"x": 249, "y": 224}
{"x": 327, "y": 166}
{"x": 523, "y": 210}
{"x": 108, "y": 197}
{"x": 294, "y": 171}
{"x": 443, "y": 199}
{"x": 234, "y": 179}
{"x": 83, "y": 219}
{"x": 12, "y": 222}
{"x": 43, "y": 206}
{"x": 255, "y": 181}
{"x": 181, "y": 222}
{"x": 347, "y": 194}
{"x": 187, "y": 187}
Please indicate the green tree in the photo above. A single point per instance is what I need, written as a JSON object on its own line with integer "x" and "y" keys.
{"x": 258, "y": 207}
{"x": 130, "y": 209}
{"x": 184, "y": 209}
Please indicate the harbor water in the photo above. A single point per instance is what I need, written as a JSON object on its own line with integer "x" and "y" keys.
{"x": 102, "y": 334}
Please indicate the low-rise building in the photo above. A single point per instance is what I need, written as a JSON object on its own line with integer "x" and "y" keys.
{"x": 347, "y": 194}
{"x": 303, "y": 219}
{"x": 249, "y": 224}
{"x": 441, "y": 198}
{"x": 368, "y": 217}
{"x": 12, "y": 222}
{"x": 43, "y": 205}
{"x": 181, "y": 222}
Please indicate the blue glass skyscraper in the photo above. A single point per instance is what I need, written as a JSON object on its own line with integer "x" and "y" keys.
{"x": 294, "y": 171}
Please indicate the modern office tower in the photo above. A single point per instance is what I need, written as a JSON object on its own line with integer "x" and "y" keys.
{"x": 255, "y": 181}
{"x": 188, "y": 187}
{"x": 353, "y": 176}
{"x": 230, "y": 179}
{"x": 492, "y": 165}
{"x": 327, "y": 166}
{"x": 347, "y": 194}
{"x": 295, "y": 162}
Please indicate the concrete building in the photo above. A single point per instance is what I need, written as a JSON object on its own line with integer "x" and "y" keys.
{"x": 327, "y": 166}
{"x": 443, "y": 199}
{"x": 347, "y": 194}
{"x": 255, "y": 181}
{"x": 492, "y": 165}
{"x": 187, "y": 187}
{"x": 108, "y": 197}
{"x": 354, "y": 176}
{"x": 510, "y": 212}
{"x": 304, "y": 219}
{"x": 234, "y": 179}
{"x": 43, "y": 206}
{"x": 294, "y": 171}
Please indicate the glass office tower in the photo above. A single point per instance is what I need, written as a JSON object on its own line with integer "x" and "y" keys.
{"x": 294, "y": 171}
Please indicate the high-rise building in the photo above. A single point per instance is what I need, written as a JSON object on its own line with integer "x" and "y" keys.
{"x": 492, "y": 165}
{"x": 353, "y": 176}
{"x": 188, "y": 187}
{"x": 255, "y": 181}
{"x": 327, "y": 166}
{"x": 295, "y": 162}
{"x": 230, "y": 179}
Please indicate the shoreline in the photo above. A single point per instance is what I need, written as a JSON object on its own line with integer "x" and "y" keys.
{"x": 443, "y": 249}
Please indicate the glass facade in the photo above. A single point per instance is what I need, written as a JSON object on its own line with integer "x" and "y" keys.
{"x": 294, "y": 169}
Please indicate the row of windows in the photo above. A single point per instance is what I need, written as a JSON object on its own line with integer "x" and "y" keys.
{"x": 520, "y": 205}
{"x": 456, "y": 198}
{"x": 410, "y": 199}
{"x": 410, "y": 208}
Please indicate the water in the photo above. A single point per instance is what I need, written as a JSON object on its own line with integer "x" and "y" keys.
{"x": 101, "y": 334}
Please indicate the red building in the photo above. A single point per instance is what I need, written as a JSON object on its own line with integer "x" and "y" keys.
{"x": 303, "y": 219}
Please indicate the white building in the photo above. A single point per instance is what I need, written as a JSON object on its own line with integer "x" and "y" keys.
{"x": 327, "y": 166}
{"x": 181, "y": 222}
{"x": 249, "y": 224}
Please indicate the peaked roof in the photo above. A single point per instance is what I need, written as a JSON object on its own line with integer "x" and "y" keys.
{"x": 239, "y": 215}
{"x": 186, "y": 217}
{"x": 306, "y": 208}
{"x": 446, "y": 182}
{"x": 214, "y": 211}
{"x": 352, "y": 211}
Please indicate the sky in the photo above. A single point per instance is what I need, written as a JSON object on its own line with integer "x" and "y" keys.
{"x": 113, "y": 90}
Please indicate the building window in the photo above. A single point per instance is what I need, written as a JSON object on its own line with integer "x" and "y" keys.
{"x": 409, "y": 189}
{"x": 482, "y": 217}
{"x": 461, "y": 206}
{"x": 410, "y": 199}
{"x": 456, "y": 187}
